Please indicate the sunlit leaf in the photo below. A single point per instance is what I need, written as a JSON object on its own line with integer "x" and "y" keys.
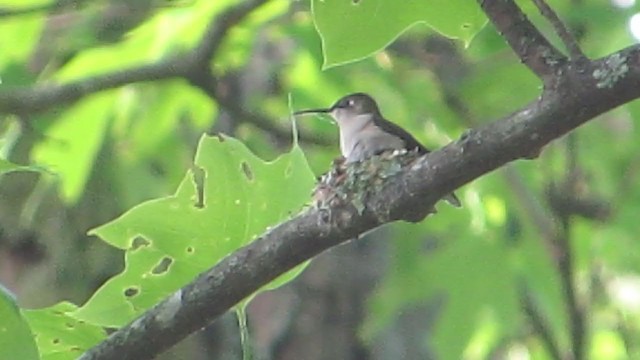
{"x": 16, "y": 339}
{"x": 167, "y": 31}
{"x": 229, "y": 198}
{"x": 18, "y": 34}
{"x": 352, "y": 30}
{"x": 608, "y": 344}
{"x": 60, "y": 336}
{"x": 70, "y": 146}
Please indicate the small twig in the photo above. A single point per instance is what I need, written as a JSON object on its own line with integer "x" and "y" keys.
{"x": 575, "y": 53}
{"x": 565, "y": 263}
{"x": 6, "y": 11}
{"x": 218, "y": 29}
{"x": 540, "y": 326}
{"x": 534, "y": 211}
{"x": 564, "y": 256}
{"x": 565, "y": 266}
{"x": 208, "y": 83}
{"x": 261, "y": 122}
{"x": 533, "y": 49}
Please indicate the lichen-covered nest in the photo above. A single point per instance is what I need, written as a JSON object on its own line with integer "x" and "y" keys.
{"x": 353, "y": 183}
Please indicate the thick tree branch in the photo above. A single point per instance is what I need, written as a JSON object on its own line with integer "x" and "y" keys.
{"x": 555, "y": 236}
{"x": 533, "y": 49}
{"x": 580, "y": 96}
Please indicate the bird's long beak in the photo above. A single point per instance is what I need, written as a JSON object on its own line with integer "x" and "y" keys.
{"x": 313, "y": 111}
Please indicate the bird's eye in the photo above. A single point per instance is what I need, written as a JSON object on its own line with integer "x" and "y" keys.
{"x": 350, "y": 102}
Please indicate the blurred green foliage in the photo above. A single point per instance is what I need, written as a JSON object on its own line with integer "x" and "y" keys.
{"x": 477, "y": 266}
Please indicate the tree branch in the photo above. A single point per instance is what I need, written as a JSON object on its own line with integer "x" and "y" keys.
{"x": 34, "y": 99}
{"x": 565, "y": 265}
{"x": 218, "y": 29}
{"x": 533, "y": 49}
{"x": 9, "y": 11}
{"x": 603, "y": 85}
{"x": 28, "y": 100}
{"x": 539, "y": 324}
{"x": 190, "y": 65}
{"x": 575, "y": 53}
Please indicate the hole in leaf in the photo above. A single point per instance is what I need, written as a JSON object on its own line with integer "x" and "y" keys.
{"x": 355, "y": 2}
{"x": 157, "y": 168}
{"x": 131, "y": 292}
{"x": 198, "y": 180}
{"x": 70, "y": 325}
{"x": 246, "y": 169}
{"x": 55, "y": 341}
{"x": 466, "y": 26}
{"x": 163, "y": 266}
{"x": 190, "y": 249}
{"x": 139, "y": 242}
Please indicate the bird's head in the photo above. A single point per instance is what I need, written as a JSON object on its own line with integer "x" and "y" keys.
{"x": 351, "y": 108}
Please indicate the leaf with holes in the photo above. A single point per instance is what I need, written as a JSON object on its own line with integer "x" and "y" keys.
{"x": 354, "y": 29}
{"x": 230, "y": 197}
{"x": 16, "y": 340}
{"x": 58, "y": 335}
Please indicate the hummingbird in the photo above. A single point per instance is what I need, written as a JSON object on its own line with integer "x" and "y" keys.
{"x": 364, "y": 132}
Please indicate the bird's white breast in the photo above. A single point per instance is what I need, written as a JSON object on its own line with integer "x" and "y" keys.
{"x": 360, "y": 138}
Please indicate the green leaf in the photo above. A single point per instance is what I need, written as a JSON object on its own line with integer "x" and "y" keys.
{"x": 72, "y": 143}
{"x": 230, "y": 197}
{"x": 16, "y": 339}
{"x": 60, "y": 336}
{"x": 354, "y": 29}
{"x": 609, "y": 344}
{"x": 150, "y": 114}
{"x": 18, "y": 34}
